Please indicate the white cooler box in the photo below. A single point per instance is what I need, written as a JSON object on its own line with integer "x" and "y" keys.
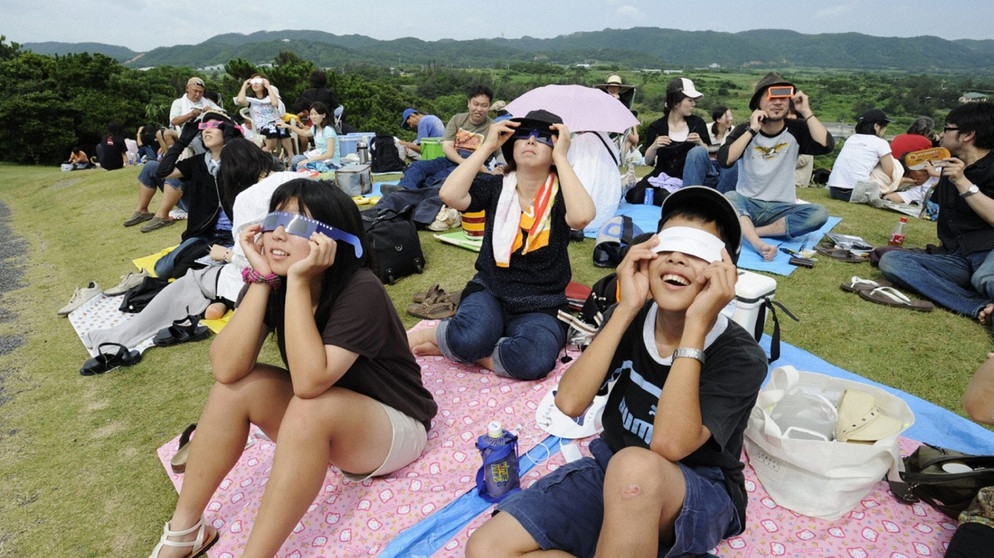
{"x": 752, "y": 293}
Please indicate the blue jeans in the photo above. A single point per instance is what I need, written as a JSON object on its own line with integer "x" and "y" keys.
{"x": 701, "y": 169}
{"x": 148, "y": 179}
{"x": 802, "y": 218}
{"x": 963, "y": 283}
{"x": 522, "y": 346}
{"x": 425, "y": 174}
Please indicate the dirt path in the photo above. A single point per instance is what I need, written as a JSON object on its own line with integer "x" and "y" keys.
{"x": 13, "y": 250}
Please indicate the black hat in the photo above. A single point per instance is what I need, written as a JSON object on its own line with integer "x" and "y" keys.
{"x": 874, "y": 115}
{"x": 768, "y": 81}
{"x": 535, "y": 120}
{"x": 701, "y": 199}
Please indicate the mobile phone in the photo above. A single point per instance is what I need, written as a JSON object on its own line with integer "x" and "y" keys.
{"x": 802, "y": 262}
{"x": 780, "y": 92}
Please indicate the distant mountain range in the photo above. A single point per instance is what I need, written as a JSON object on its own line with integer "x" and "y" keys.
{"x": 643, "y": 47}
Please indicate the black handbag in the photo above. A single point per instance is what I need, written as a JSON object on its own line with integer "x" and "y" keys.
{"x": 137, "y": 298}
{"x": 394, "y": 243}
{"x": 944, "y": 488}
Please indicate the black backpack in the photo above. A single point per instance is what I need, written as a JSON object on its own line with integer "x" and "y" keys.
{"x": 385, "y": 157}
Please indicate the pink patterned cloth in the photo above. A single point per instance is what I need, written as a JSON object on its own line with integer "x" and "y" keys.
{"x": 879, "y": 527}
{"x": 351, "y": 519}
{"x": 358, "y": 519}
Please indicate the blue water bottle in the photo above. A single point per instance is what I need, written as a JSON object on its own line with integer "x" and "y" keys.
{"x": 498, "y": 476}
{"x": 649, "y": 194}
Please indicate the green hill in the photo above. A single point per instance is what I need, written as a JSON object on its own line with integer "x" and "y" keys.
{"x": 642, "y": 47}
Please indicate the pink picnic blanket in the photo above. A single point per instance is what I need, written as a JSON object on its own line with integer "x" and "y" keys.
{"x": 358, "y": 519}
{"x": 878, "y": 527}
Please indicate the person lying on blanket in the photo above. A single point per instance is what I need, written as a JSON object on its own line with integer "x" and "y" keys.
{"x": 507, "y": 316}
{"x": 665, "y": 476}
{"x": 210, "y": 291}
{"x": 348, "y": 392}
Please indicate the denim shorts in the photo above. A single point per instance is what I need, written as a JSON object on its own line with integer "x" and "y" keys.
{"x": 565, "y": 509}
{"x": 148, "y": 179}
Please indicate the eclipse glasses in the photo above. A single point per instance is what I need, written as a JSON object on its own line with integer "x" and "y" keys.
{"x": 541, "y": 136}
{"x": 304, "y": 227}
{"x": 780, "y": 92}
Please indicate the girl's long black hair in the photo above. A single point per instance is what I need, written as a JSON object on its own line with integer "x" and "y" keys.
{"x": 244, "y": 165}
{"x": 325, "y": 202}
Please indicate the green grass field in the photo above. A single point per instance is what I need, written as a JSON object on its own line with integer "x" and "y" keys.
{"x": 80, "y": 476}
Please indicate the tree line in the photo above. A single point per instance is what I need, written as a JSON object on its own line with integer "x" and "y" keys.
{"x": 56, "y": 102}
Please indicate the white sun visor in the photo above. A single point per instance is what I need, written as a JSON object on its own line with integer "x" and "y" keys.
{"x": 690, "y": 241}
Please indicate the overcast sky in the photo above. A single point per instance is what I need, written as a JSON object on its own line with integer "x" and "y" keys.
{"x": 142, "y": 25}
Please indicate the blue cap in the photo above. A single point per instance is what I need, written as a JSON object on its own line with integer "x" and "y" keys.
{"x": 407, "y": 114}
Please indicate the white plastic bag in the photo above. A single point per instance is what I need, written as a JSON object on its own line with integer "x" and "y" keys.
{"x": 824, "y": 479}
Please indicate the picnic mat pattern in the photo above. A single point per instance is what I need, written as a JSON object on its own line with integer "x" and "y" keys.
{"x": 430, "y": 508}
{"x": 459, "y": 238}
{"x": 647, "y": 217}
{"x": 102, "y": 312}
{"x": 359, "y": 519}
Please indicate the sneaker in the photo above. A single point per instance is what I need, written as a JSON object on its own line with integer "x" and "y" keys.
{"x": 138, "y": 217}
{"x": 132, "y": 279}
{"x": 80, "y": 297}
{"x": 446, "y": 219}
{"x": 156, "y": 223}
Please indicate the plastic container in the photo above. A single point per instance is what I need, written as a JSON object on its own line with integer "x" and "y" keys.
{"x": 897, "y": 236}
{"x": 498, "y": 476}
{"x": 473, "y": 224}
{"x": 752, "y": 292}
{"x": 431, "y": 148}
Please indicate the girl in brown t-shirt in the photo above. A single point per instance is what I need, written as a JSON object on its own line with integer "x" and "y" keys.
{"x": 348, "y": 393}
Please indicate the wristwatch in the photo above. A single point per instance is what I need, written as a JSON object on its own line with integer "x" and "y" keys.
{"x": 686, "y": 352}
{"x": 973, "y": 189}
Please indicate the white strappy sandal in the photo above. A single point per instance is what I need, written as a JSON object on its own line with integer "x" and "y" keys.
{"x": 197, "y": 546}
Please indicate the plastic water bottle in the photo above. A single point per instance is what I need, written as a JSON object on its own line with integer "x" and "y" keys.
{"x": 498, "y": 476}
{"x": 363, "y": 149}
{"x": 649, "y": 195}
{"x": 897, "y": 237}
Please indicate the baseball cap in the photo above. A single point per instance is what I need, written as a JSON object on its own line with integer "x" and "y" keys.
{"x": 874, "y": 115}
{"x": 701, "y": 200}
{"x": 768, "y": 81}
{"x": 685, "y": 86}
{"x": 407, "y": 114}
{"x": 195, "y": 81}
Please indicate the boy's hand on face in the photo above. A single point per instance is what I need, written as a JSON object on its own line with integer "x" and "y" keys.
{"x": 633, "y": 273}
{"x": 717, "y": 290}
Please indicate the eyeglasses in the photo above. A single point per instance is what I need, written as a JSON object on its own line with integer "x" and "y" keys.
{"x": 210, "y": 125}
{"x": 950, "y": 129}
{"x": 304, "y": 227}
{"x": 541, "y": 136}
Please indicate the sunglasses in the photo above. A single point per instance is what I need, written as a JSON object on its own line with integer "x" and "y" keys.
{"x": 304, "y": 227}
{"x": 780, "y": 92}
{"x": 541, "y": 136}
{"x": 950, "y": 129}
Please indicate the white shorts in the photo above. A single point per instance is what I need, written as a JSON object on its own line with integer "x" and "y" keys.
{"x": 409, "y": 440}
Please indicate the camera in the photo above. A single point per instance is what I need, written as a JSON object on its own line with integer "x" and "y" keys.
{"x": 256, "y": 81}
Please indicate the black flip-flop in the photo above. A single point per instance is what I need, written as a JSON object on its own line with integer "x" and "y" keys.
{"x": 105, "y": 362}
{"x": 840, "y": 254}
{"x": 182, "y": 331}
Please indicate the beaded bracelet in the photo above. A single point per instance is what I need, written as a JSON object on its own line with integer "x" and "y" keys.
{"x": 250, "y": 276}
